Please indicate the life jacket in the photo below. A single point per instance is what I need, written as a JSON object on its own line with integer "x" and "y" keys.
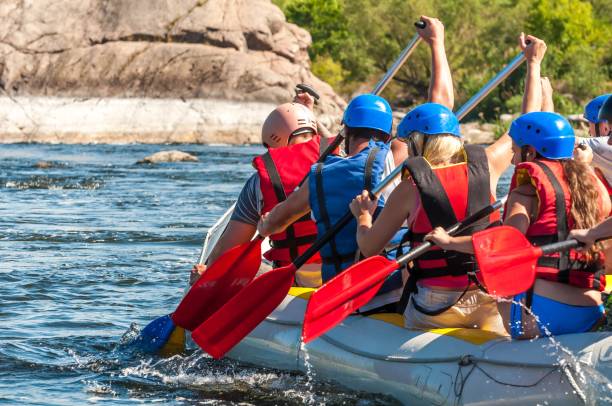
{"x": 280, "y": 172}
{"x": 554, "y": 223}
{"x": 333, "y": 184}
{"x": 448, "y": 195}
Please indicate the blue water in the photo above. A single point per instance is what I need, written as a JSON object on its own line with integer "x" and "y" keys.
{"x": 96, "y": 243}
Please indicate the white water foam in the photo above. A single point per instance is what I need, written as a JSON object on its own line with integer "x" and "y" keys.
{"x": 591, "y": 387}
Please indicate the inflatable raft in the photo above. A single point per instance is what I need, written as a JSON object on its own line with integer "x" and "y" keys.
{"x": 451, "y": 366}
{"x": 440, "y": 367}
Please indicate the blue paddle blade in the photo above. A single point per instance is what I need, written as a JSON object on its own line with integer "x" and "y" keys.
{"x": 155, "y": 335}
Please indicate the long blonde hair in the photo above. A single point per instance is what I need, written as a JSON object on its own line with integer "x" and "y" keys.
{"x": 440, "y": 149}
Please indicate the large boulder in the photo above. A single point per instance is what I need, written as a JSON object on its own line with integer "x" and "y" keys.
{"x": 237, "y": 50}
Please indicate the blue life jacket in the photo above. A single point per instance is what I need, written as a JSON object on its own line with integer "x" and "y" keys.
{"x": 333, "y": 184}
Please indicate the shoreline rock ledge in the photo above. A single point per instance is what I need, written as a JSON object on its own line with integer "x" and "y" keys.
{"x": 238, "y": 56}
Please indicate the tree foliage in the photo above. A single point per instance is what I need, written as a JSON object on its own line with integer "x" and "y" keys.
{"x": 356, "y": 41}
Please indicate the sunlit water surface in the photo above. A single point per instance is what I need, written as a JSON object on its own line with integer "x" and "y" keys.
{"x": 96, "y": 243}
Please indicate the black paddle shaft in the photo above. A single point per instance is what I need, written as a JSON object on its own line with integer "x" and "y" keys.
{"x": 381, "y": 85}
{"x": 454, "y": 229}
{"x": 559, "y": 246}
{"x": 563, "y": 246}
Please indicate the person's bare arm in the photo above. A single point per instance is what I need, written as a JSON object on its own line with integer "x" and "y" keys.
{"x": 589, "y": 236}
{"x": 441, "y": 84}
{"x": 235, "y": 233}
{"x": 522, "y": 206}
{"x": 442, "y": 239}
{"x": 499, "y": 153}
{"x": 372, "y": 238}
{"x": 285, "y": 213}
{"x": 400, "y": 151}
{"x": 534, "y": 50}
{"x": 547, "y": 95}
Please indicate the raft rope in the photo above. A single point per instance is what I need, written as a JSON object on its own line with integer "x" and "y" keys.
{"x": 469, "y": 360}
{"x": 464, "y": 361}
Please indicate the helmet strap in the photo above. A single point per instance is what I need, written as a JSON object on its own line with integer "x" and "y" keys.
{"x": 597, "y": 130}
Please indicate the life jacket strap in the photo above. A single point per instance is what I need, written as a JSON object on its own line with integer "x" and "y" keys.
{"x": 279, "y": 191}
{"x": 336, "y": 258}
{"x": 560, "y": 212}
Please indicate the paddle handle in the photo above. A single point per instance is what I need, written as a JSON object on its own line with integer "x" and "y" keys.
{"x": 381, "y": 85}
{"x": 491, "y": 84}
{"x": 564, "y": 245}
{"x": 458, "y": 227}
{"x": 559, "y": 246}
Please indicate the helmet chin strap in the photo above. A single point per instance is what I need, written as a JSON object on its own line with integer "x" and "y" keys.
{"x": 597, "y": 131}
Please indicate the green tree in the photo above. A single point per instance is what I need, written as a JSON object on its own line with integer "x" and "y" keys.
{"x": 356, "y": 41}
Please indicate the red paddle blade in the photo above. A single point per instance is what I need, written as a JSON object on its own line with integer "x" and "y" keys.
{"x": 344, "y": 294}
{"x": 238, "y": 317}
{"x": 222, "y": 280}
{"x": 506, "y": 259}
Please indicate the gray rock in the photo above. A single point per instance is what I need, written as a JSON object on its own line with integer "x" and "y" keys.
{"x": 239, "y": 50}
{"x": 168, "y": 156}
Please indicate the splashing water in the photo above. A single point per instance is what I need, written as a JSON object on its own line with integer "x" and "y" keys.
{"x": 591, "y": 387}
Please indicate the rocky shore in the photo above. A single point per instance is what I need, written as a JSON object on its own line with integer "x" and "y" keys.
{"x": 149, "y": 121}
{"x": 154, "y": 71}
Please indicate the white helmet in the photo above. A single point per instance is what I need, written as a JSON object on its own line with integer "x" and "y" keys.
{"x": 285, "y": 121}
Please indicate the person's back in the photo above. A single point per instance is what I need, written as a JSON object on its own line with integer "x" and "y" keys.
{"x": 290, "y": 134}
{"x": 550, "y": 196}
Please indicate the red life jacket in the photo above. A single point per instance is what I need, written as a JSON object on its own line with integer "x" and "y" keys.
{"x": 554, "y": 223}
{"x": 280, "y": 172}
{"x": 449, "y": 194}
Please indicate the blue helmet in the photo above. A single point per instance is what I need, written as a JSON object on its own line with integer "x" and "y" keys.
{"x": 430, "y": 119}
{"x": 549, "y": 133}
{"x": 605, "y": 112}
{"x": 591, "y": 110}
{"x": 369, "y": 111}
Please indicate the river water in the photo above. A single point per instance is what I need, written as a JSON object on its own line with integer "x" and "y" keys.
{"x": 93, "y": 248}
{"x": 96, "y": 243}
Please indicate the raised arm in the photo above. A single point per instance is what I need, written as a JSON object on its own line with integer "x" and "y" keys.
{"x": 500, "y": 152}
{"x": 534, "y": 50}
{"x": 547, "y": 96}
{"x": 441, "y": 84}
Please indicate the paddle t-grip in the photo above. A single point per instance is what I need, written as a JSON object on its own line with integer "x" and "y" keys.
{"x": 307, "y": 89}
{"x": 420, "y": 24}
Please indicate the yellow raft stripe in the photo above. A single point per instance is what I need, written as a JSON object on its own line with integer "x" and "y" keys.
{"x": 608, "y": 283}
{"x": 473, "y": 336}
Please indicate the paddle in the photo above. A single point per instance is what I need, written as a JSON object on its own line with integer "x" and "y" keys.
{"x": 161, "y": 334}
{"x": 358, "y": 284}
{"x": 507, "y": 260}
{"x": 246, "y": 310}
{"x": 239, "y": 265}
